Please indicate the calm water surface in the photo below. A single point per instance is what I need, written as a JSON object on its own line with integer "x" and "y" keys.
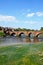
{"x": 18, "y": 40}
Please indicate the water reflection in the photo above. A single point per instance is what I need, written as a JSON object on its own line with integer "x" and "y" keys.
{"x": 33, "y": 39}
{"x": 13, "y": 40}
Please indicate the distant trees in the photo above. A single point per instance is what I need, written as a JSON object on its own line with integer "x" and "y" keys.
{"x": 41, "y": 29}
{"x": 18, "y": 29}
{"x": 22, "y": 29}
{"x": 0, "y": 28}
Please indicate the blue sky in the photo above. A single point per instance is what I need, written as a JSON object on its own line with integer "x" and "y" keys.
{"x": 21, "y": 13}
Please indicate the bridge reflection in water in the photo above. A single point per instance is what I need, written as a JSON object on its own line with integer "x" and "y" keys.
{"x": 18, "y": 40}
{"x": 32, "y": 40}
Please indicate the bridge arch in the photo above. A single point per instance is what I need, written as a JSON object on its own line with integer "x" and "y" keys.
{"x": 39, "y": 34}
{"x": 13, "y": 34}
{"x": 21, "y": 34}
{"x": 30, "y": 35}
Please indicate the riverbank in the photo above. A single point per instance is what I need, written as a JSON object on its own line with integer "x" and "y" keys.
{"x": 22, "y": 54}
{"x": 2, "y": 34}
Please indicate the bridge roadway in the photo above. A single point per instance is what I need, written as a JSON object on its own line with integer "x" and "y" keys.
{"x": 27, "y": 33}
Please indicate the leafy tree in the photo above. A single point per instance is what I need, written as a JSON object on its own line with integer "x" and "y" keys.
{"x": 41, "y": 29}
{"x": 0, "y": 28}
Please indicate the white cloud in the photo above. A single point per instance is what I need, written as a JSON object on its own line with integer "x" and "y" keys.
{"x": 31, "y": 22}
{"x": 30, "y": 14}
{"x": 36, "y": 14}
{"x": 39, "y": 13}
{"x": 7, "y": 18}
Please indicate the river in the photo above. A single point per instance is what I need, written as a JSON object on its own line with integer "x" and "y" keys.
{"x": 18, "y": 40}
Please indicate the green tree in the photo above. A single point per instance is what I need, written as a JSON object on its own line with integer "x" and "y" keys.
{"x": 41, "y": 29}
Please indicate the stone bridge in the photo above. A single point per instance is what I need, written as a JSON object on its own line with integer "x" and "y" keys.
{"x": 26, "y": 33}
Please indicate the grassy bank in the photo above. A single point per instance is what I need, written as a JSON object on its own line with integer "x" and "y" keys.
{"x": 2, "y": 34}
{"x": 22, "y": 54}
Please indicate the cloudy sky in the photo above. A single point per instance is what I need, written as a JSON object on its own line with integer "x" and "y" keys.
{"x": 21, "y": 13}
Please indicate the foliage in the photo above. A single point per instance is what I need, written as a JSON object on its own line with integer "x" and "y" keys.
{"x": 21, "y": 29}
{"x": 0, "y": 28}
{"x": 2, "y": 33}
{"x": 41, "y": 29}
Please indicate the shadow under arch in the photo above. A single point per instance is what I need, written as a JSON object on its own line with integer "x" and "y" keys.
{"x": 22, "y": 34}
{"x": 30, "y": 35}
{"x": 13, "y": 34}
{"x": 40, "y": 35}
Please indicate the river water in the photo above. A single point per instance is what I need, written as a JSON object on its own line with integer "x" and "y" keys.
{"x": 18, "y": 40}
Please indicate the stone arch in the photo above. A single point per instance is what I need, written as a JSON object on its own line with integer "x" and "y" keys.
{"x": 30, "y": 35}
{"x": 13, "y": 34}
{"x": 21, "y": 34}
{"x": 38, "y": 34}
